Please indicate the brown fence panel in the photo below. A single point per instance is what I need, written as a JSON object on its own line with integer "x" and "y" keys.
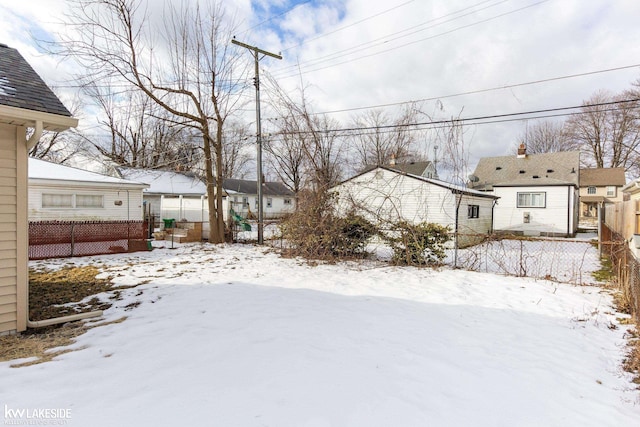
{"x": 626, "y": 267}
{"x": 58, "y": 239}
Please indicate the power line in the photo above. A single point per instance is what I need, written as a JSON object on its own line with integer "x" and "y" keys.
{"x": 412, "y": 42}
{"x": 473, "y": 92}
{"x": 350, "y": 25}
{"x": 385, "y": 39}
{"x": 465, "y": 121}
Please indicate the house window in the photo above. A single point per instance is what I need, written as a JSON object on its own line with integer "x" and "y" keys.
{"x": 611, "y": 191}
{"x": 269, "y": 202}
{"x": 71, "y": 201}
{"x": 532, "y": 200}
{"x": 287, "y": 201}
{"x": 245, "y": 201}
{"x": 57, "y": 201}
{"x": 235, "y": 199}
{"x": 256, "y": 203}
{"x": 89, "y": 201}
{"x": 473, "y": 211}
{"x": 591, "y": 190}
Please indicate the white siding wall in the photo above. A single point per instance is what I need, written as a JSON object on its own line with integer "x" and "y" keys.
{"x": 558, "y": 217}
{"x": 131, "y": 208}
{"x": 277, "y": 210}
{"x": 388, "y": 197}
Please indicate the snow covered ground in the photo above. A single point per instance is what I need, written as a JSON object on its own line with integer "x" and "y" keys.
{"x": 236, "y": 336}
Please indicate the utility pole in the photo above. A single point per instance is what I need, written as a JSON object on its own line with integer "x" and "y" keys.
{"x": 256, "y": 81}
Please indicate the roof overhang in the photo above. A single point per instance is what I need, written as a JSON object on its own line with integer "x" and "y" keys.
{"x": 68, "y": 183}
{"x": 30, "y": 118}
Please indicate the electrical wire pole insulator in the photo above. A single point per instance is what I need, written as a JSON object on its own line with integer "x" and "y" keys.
{"x": 256, "y": 81}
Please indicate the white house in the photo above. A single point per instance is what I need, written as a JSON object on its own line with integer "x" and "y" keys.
{"x": 63, "y": 193}
{"x": 538, "y": 192}
{"x": 385, "y": 195}
{"x": 278, "y": 200}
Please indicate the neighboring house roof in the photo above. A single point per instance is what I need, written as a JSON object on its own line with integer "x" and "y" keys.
{"x": 22, "y": 87}
{"x": 41, "y": 170}
{"x": 413, "y": 168}
{"x": 546, "y": 169}
{"x": 601, "y": 177}
{"x": 458, "y": 189}
{"x": 242, "y": 186}
{"x": 165, "y": 182}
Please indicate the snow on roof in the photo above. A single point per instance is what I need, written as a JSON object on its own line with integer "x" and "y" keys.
{"x": 165, "y": 182}
{"x": 41, "y": 169}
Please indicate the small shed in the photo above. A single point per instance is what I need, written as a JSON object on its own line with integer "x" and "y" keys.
{"x": 25, "y": 102}
{"x": 386, "y": 195}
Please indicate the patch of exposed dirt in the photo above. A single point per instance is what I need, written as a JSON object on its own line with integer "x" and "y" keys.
{"x": 56, "y": 293}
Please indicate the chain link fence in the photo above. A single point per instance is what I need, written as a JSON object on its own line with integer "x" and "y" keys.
{"x": 59, "y": 239}
{"x": 560, "y": 259}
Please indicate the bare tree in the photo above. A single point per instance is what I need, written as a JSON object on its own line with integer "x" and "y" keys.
{"x": 236, "y": 155}
{"x": 286, "y": 156}
{"x": 190, "y": 74}
{"x": 607, "y": 130}
{"x": 316, "y": 146}
{"x": 545, "y": 137}
{"x": 59, "y": 147}
{"x": 450, "y": 138}
{"x": 141, "y": 133}
{"x": 383, "y": 138}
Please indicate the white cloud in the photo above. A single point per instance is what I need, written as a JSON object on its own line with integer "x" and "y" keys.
{"x": 355, "y": 57}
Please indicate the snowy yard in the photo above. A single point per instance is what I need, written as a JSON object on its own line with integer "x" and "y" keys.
{"x": 237, "y": 336}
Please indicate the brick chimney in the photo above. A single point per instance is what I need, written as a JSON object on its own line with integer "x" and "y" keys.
{"x": 522, "y": 151}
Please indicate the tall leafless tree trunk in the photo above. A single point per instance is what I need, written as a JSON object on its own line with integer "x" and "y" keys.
{"x": 186, "y": 67}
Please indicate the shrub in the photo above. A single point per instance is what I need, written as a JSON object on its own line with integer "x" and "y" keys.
{"x": 418, "y": 244}
{"x": 315, "y": 231}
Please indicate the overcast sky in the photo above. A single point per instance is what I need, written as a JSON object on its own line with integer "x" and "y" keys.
{"x": 355, "y": 54}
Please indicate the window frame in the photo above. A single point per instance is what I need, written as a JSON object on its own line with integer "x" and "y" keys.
{"x": 473, "y": 211}
{"x": 530, "y": 204}
{"x": 73, "y": 201}
{"x": 591, "y": 190}
{"x": 611, "y": 191}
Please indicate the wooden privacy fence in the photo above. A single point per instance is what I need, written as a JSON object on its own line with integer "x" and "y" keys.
{"x": 59, "y": 239}
{"x": 626, "y": 267}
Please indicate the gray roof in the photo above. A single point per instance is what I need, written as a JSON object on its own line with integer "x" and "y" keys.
{"x": 546, "y": 169}
{"x": 250, "y": 187}
{"x": 456, "y": 189}
{"x": 22, "y": 87}
{"x": 601, "y": 177}
{"x": 413, "y": 168}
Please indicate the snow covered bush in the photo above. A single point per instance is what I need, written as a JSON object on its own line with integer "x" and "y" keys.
{"x": 418, "y": 244}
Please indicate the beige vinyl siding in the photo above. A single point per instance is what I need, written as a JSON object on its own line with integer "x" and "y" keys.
{"x": 9, "y": 298}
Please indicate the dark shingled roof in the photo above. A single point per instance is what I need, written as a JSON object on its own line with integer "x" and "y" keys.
{"x": 413, "y": 168}
{"x": 250, "y": 187}
{"x": 22, "y": 87}
{"x": 544, "y": 169}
